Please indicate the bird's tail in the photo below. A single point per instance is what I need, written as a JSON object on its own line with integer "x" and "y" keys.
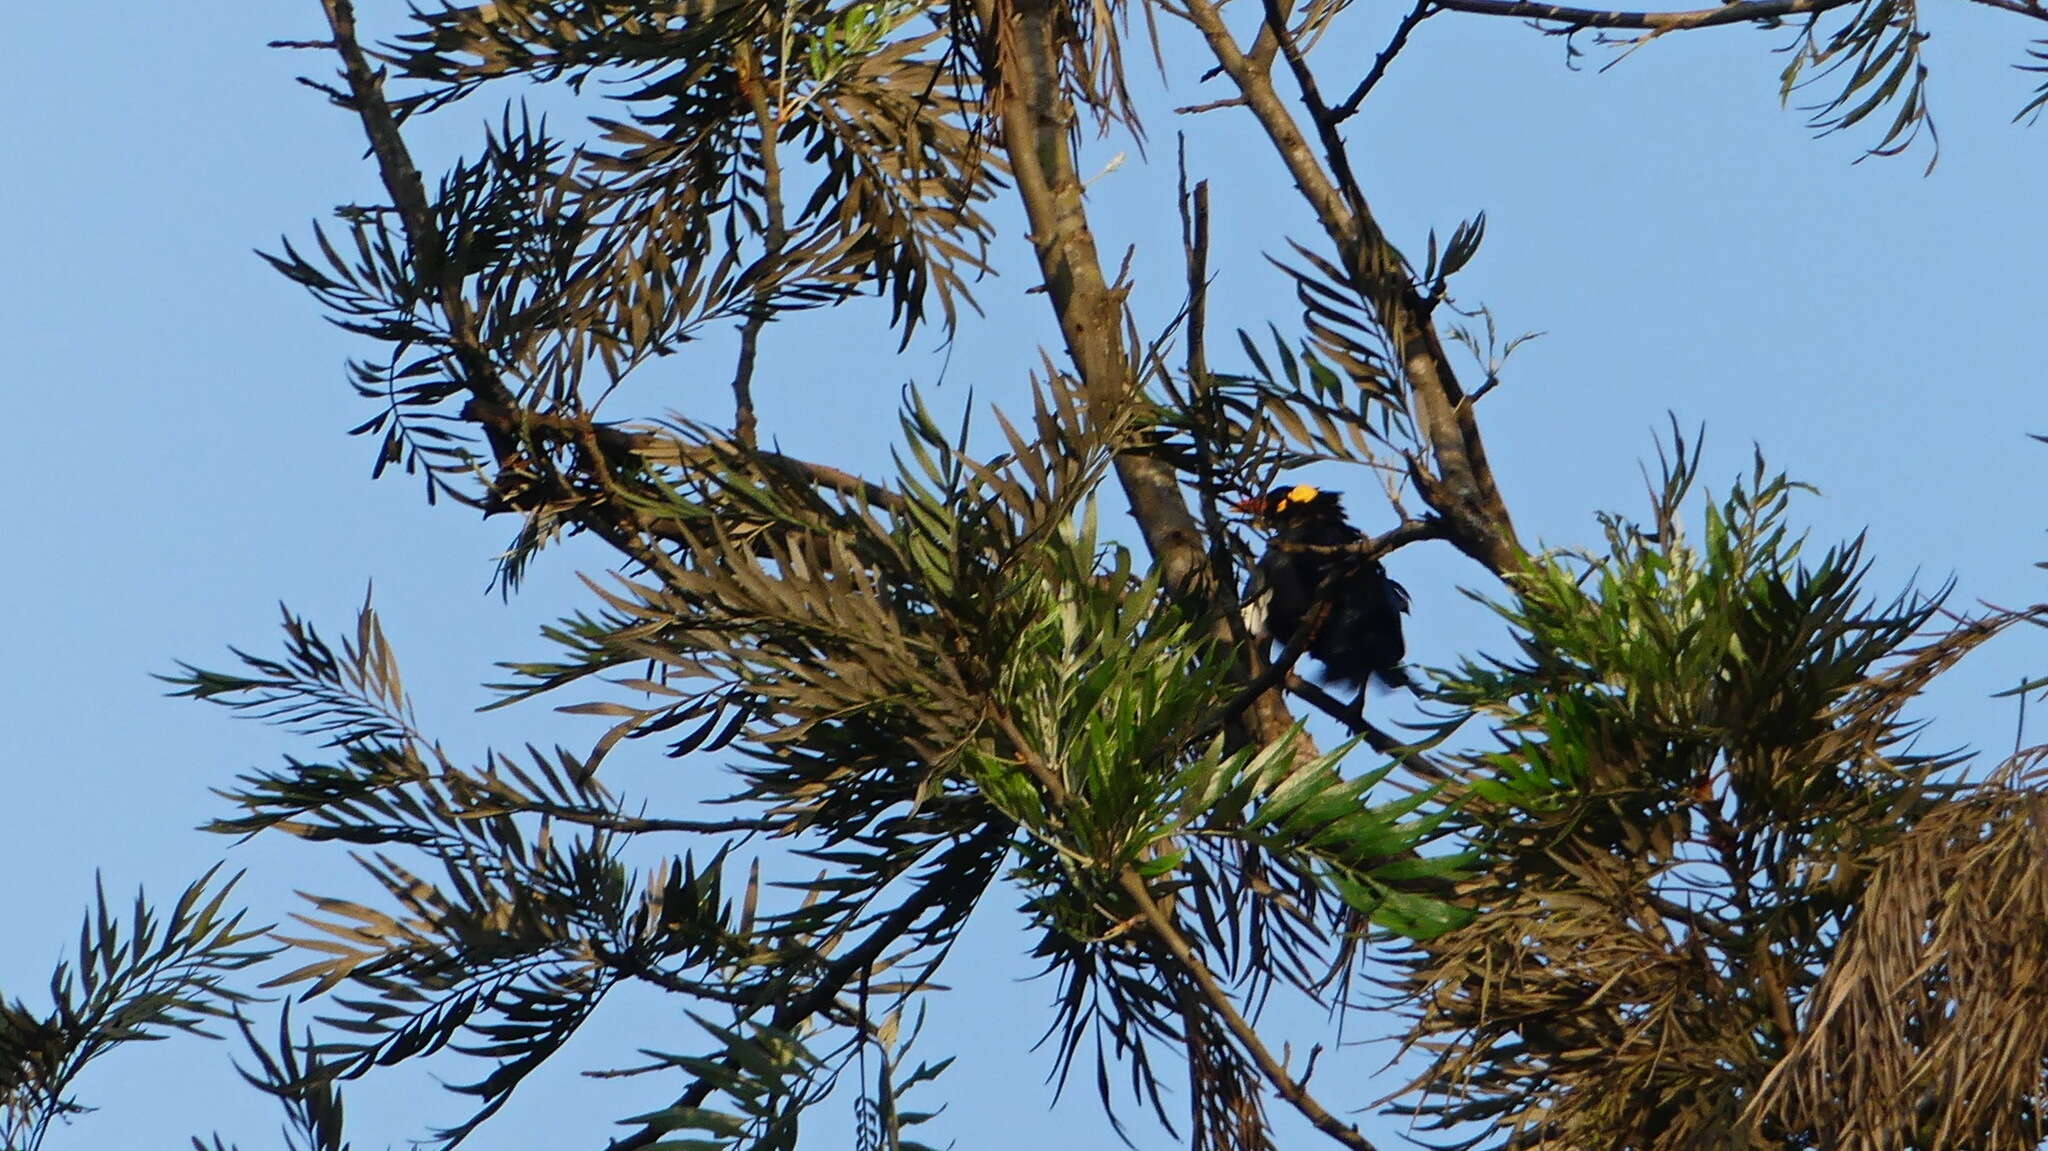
{"x": 1394, "y": 675}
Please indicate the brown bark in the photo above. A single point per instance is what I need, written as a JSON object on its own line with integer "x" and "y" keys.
{"x": 1036, "y": 116}
{"x": 1460, "y": 488}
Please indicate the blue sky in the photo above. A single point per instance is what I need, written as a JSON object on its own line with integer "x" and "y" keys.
{"x": 181, "y": 465}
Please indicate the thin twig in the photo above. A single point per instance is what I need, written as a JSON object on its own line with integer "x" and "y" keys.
{"x": 1351, "y": 717}
{"x": 1282, "y": 1081}
{"x": 1350, "y": 105}
{"x": 1194, "y": 225}
{"x": 1740, "y": 13}
{"x": 1211, "y": 106}
{"x": 1403, "y": 752}
{"x": 774, "y": 238}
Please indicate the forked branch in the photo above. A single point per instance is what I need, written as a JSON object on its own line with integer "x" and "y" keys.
{"x": 1461, "y": 487}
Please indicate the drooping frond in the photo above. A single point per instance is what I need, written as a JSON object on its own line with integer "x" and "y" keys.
{"x": 1930, "y": 1027}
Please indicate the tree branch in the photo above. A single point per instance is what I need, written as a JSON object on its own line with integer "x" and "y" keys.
{"x": 774, "y": 237}
{"x": 1740, "y": 13}
{"x": 1373, "y": 547}
{"x": 1743, "y": 12}
{"x": 1274, "y": 674}
{"x": 1020, "y": 68}
{"x": 493, "y": 407}
{"x": 1335, "y": 157}
{"x": 1163, "y": 928}
{"x": 1416, "y": 15}
{"x": 1462, "y": 490}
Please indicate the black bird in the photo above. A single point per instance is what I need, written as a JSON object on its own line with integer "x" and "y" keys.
{"x": 1360, "y": 637}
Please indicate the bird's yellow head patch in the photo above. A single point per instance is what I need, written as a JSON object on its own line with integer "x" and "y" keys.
{"x": 1296, "y": 496}
{"x": 1283, "y": 501}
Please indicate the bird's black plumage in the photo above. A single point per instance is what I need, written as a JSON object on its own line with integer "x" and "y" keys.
{"x": 1360, "y": 637}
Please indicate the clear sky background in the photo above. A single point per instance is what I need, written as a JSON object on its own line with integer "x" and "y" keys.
{"x": 177, "y": 416}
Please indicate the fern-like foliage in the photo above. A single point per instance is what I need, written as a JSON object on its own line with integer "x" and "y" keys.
{"x": 1701, "y": 749}
{"x": 139, "y": 977}
{"x": 759, "y": 158}
{"x": 932, "y": 689}
{"x": 1623, "y": 923}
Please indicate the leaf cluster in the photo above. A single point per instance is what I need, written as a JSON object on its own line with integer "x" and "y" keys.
{"x": 765, "y": 158}
{"x": 1701, "y": 753}
{"x": 1701, "y": 858}
{"x": 929, "y": 686}
{"x": 141, "y": 978}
